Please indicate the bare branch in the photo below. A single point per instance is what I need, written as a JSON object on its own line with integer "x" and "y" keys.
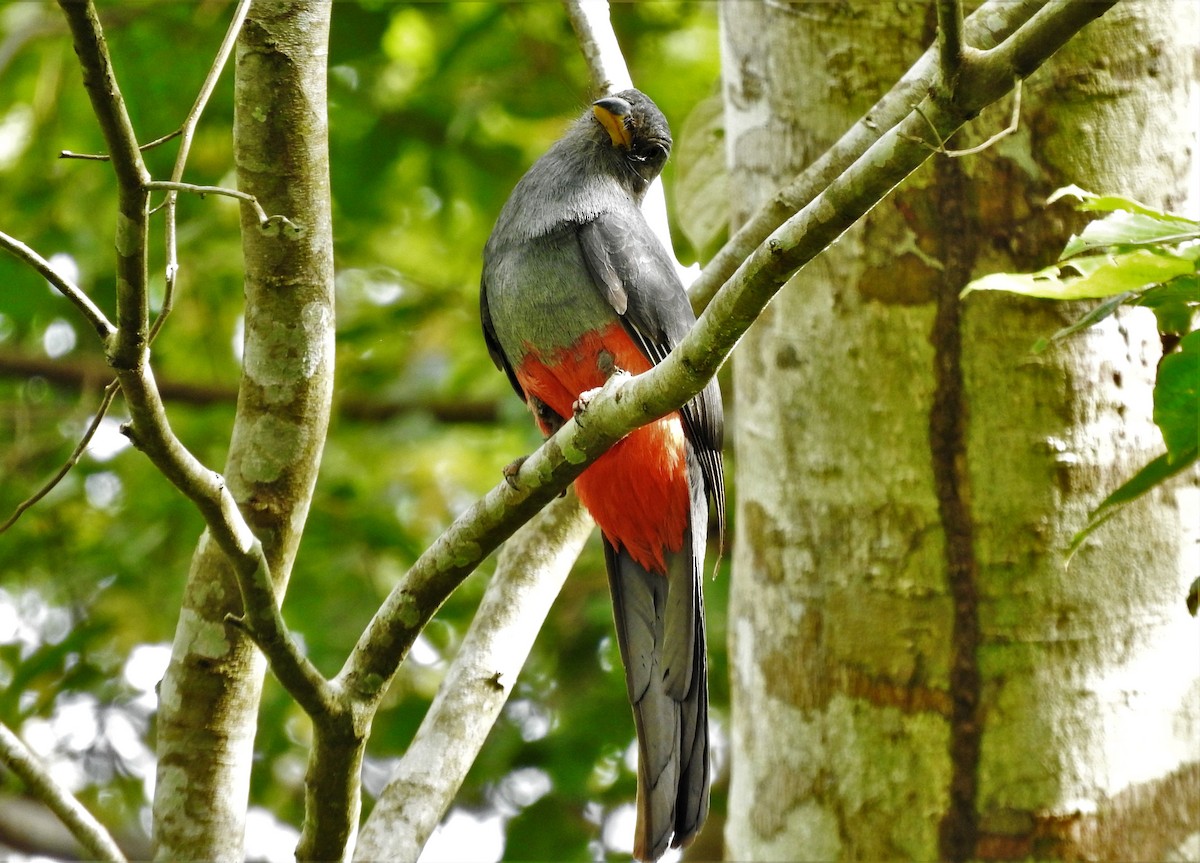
{"x": 65, "y": 286}
{"x": 126, "y": 349}
{"x": 529, "y": 574}
{"x": 149, "y": 428}
{"x": 106, "y": 401}
{"x": 90, "y": 833}
{"x": 104, "y": 157}
{"x": 598, "y": 42}
{"x": 187, "y": 131}
{"x": 264, "y": 221}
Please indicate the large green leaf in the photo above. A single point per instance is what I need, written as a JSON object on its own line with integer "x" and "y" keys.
{"x": 1123, "y": 228}
{"x": 1089, "y": 276}
{"x": 1090, "y": 201}
{"x": 701, "y": 181}
{"x": 1174, "y": 303}
{"x": 1177, "y": 398}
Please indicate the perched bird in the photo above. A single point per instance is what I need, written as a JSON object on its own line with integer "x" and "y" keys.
{"x": 576, "y": 286}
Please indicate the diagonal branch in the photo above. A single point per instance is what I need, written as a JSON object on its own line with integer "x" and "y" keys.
{"x": 89, "y": 832}
{"x": 61, "y": 283}
{"x": 598, "y": 43}
{"x": 993, "y": 22}
{"x": 529, "y": 574}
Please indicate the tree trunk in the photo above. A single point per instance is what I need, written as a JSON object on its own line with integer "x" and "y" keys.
{"x": 209, "y": 698}
{"x": 915, "y": 672}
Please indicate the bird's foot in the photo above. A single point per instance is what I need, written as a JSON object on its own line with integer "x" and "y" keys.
{"x": 615, "y": 381}
{"x": 511, "y": 470}
{"x": 580, "y": 405}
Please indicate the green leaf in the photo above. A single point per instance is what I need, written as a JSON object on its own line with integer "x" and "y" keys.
{"x": 1091, "y": 202}
{"x": 1174, "y": 303}
{"x": 1094, "y": 277}
{"x": 1123, "y": 228}
{"x": 1153, "y": 474}
{"x": 1177, "y": 397}
{"x": 1095, "y": 316}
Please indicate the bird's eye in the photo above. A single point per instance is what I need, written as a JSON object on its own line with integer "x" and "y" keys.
{"x": 650, "y": 151}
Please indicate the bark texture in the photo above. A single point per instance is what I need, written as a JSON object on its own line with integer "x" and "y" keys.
{"x": 915, "y": 672}
{"x": 209, "y": 698}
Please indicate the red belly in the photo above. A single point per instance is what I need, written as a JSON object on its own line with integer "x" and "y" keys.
{"x": 637, "y": 491}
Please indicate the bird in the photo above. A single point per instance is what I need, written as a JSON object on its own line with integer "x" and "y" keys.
{"x": 576, "y": 287}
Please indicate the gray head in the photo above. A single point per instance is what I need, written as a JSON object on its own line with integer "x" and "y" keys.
{"x": 608, "y": 156}
{"x": 638, "y": 137}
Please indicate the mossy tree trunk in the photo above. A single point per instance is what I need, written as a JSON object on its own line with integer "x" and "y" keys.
{"x": 916, "y": 672}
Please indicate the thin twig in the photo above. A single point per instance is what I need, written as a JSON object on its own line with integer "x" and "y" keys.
{"x": 110, "y": 393}
{"x": 264, "y": 220}
{"x": 104, "y": 157}
{"x": 187, "y": 131}
{"x": 65, "y": 286}
{"x": 89, "y": 832}
{"x": 1014, "y": 123}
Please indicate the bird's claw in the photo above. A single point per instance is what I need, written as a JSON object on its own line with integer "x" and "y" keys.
{"x": 580, "y": 405}
{"x": 614, "y": 382}
{"x": 511, "y": 470}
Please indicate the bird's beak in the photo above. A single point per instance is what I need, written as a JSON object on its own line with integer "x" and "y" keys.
{"x": 612, "y": 112}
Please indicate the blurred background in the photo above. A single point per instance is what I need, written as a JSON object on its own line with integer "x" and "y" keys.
{"x": 436, "y": 109}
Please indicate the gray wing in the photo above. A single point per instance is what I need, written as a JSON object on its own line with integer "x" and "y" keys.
{"x": 636, "y": 275}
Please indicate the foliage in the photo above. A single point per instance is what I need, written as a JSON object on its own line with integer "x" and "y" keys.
{"x": 436, "y": 110}
{"x": 1138, "y": 257}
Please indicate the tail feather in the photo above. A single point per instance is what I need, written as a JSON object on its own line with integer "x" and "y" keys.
{"x": 660, "y": 630}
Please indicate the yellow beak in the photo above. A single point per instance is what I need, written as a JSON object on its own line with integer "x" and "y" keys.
{"x": 611, "y": 113}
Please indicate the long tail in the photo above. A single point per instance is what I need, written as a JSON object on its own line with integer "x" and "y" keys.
{"x": 660, "y": 629}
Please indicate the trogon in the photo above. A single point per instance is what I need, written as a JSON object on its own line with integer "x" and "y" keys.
{"x": 576, "y": 286}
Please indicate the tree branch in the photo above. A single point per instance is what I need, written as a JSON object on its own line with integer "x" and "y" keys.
{"x": 128, "y": 352}
{"x": 530, "y": 572}
{"x": 90, "y": 833}
{"x": 594, "y": 33}
{"x": 106, "y": 401}
{"x": 61, "y": 283}
{"x": 265, "y": 222}
{"x": 126, "y": 349}
{"x": 186, "y": 133}
{"x": 950, "y": 39}
{"x": 993, "y": 22}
